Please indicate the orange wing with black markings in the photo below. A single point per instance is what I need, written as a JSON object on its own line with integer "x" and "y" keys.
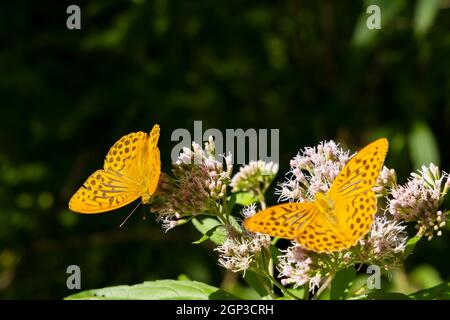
{"x": 131, "y": 170}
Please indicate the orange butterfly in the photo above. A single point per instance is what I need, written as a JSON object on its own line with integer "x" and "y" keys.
{"x": 334, "y": 221}
{"x": 131, "y": 170}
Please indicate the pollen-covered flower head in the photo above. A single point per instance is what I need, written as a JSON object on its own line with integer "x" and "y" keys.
{"x": 298, "y": 268}
{"x": 420, "y": 198}
{"x": 385, "y": 243}
{"x": 199, "y": 179}
{"x": 312, "y": 170}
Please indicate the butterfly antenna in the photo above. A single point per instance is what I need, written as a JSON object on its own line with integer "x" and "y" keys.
{"x": 130, "y": 215}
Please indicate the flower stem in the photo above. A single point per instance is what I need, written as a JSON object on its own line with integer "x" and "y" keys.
{"x": 269, "y": 290}
{"x": 323, "y": 287}
{"x": 261, "y": 199}
{"x": 420, "y": 232}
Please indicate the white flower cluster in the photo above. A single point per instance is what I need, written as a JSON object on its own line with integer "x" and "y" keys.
{"x": 385, "y": 181}
{"x": 238, "y": 253}
{"x": 386, "y": 241}
{"x": 239, "y": 250}
{"x": 254, "y": 177}
{"x": 312, "y": 170}
{"x": 199, "y": 181}
{"x": 420, "y": 198}
{"x": 215, "y": 176}
{"x": 296, "y": 268}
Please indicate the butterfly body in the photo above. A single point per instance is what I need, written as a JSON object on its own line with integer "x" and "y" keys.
{"x": 131, "y": 171}
{"x": 324, "y": 203}
{"x": 336, "y": 220}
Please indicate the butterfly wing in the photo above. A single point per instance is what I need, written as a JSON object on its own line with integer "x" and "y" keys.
{"x": 361, "y": 172}
{"x": 321, "y": 235}
{"x": 284, "y": 220}
{"x": 120, "y": 181}
{"x": 351, "y": 192}
{"x": 300, "y": 221}
{"x": 104, "y": 190}
{"x": 154, "y": 164}
{"x": 356, "y": 216}
{"x": 126, "y": 157}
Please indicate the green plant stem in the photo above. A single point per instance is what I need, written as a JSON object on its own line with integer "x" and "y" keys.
{"x": 323, "y": 287}
{"x": 222, "y": 218}
{"x": 420, "y": 232}
{"x": 360, "y": 290}
{"x": 261, "y": 199}
{"x": 270, "y": 266}
{"x": 269, "y": 290}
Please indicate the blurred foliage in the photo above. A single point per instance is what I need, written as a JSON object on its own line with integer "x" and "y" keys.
{"x": 311, "y": 69}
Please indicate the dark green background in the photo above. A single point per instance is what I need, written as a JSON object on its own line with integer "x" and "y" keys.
{"x": 310, "y": 68}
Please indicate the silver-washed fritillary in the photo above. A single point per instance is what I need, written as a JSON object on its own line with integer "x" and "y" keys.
{"x": 131, "y": 170}
{"x": 334, "y": 221}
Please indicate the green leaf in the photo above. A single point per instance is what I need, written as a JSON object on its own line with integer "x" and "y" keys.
{"x": 410, "y": 245}
{"x": 231, "y": 202}
{"x": 257, "y": 282}
{"x": 274, "y": 254}
{"x": 424, "y": 15}
{"x": 235, "y": 223}
{"x": 245, "y": 198}
{"x": 359, "y": 284}
{"x": 425, "y": 276}
{"x": 207, "y": 235}
{"x": 299, "y": 293}
{"x": 205, "y": 225}
{"x": 342, "y": 282}
{"x": 439, "y": 292}
{"x": 423, "y": 146}
{"x": 380, "y": 295}
{"x": 244, "y": 292}
{"x": 157, "y": 290}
